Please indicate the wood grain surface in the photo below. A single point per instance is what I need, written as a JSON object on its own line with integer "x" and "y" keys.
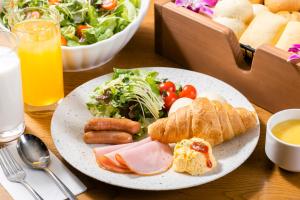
{"x": 257, "y": 178}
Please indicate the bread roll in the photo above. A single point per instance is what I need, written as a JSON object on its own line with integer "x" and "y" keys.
{"x": 257, "y": 1}
{"x": 266, "y": 28}
{"x": 236, "y": 25}
{"x": 291, "y": 16}
{"x": 290, "y": 36}
{"x": 295, "y": 16}
{"x": 283, "y": 5}
{"x": 237, "y": 9}
{"x": 257, "y": 8}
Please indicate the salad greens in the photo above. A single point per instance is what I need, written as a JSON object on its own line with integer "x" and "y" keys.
{"x": 132, "y": 94}
{"x": 84, "y": 22}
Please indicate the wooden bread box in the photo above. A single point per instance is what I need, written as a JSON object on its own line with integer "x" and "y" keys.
{"x": 200, "y": 44}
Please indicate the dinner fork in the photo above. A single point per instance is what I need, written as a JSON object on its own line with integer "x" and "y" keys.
{"x": 14, "y": 172}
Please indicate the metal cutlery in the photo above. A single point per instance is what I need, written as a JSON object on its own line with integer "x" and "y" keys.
{"x": 35, "y": 154}
{"x": 14, "y": 172}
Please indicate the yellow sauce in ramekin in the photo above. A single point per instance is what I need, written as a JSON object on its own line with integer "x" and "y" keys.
{"x": 288, "y": 131}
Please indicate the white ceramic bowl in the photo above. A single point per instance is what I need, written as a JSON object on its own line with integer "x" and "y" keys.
{"x": 91, "y": 56}
{"x": 286, "y": 156}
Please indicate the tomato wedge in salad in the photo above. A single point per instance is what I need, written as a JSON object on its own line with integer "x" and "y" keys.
{"x": 53, "y": 2}
{"x": 63, "y": 41}
{"x": 109, "y": 4}
{"x": 80, "y": 28}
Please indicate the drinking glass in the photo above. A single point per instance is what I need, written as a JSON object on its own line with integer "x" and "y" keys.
{"x": 40, "y": 53}
{"x": 11, "y": 100}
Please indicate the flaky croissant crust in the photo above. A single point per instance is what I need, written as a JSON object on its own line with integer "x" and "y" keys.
{"x": 212, "y": 121}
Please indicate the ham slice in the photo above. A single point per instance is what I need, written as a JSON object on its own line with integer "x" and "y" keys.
{"x": 112, "y": 155}
{"x": 109, "y": 165}
{"x": 147, "y": 159}
{"x": 105, "y": 156}
{"x": 100, "y": 151}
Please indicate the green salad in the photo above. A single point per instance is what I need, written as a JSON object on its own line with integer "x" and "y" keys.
{"x": 137, "y": 95}
{"x": 133, "y": 94}
{"x": 84, "y": 22}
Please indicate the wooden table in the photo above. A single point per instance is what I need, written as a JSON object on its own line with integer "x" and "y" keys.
{"x": 257, "y": 178}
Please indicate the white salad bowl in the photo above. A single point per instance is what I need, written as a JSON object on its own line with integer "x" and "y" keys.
{"x": 285, "y": 155}
{"x": 86, "y": 57}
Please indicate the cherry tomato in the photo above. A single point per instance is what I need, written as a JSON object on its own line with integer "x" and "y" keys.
{"x": 169, "y": 99}
{"x": 167, "y": 86}
{"x": 188, "y": 91}
{"x": 63, "y": 41}
{"x": 109, "y": 4}
{"x": 80, "y": 28}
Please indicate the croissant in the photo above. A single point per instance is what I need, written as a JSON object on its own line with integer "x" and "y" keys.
{"x": 212, "y": 121}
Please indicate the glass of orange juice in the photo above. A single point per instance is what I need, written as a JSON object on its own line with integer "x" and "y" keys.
{"x": 39, "y": 49}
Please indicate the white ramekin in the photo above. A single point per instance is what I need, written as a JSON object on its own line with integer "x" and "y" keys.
{"x": 286, "y": 156}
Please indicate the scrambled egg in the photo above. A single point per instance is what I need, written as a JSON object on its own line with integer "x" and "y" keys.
{"x": 193, "y": 156}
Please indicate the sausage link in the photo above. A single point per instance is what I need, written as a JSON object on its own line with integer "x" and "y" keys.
{"x": 113, "y": 124}
{"x": 107, "y": 137}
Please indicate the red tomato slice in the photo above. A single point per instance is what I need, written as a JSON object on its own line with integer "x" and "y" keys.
{"x": 63, "y": 41}
{"x": 167, "y": 86}
{"x": 109, "y": 4}
{"x": 169, "y": 99}
{"x": 53, "y": 2}
{"x": 188, "y": 91}
{"x": 80, "y": 28}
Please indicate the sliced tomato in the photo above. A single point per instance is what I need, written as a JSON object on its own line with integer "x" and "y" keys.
{"x": 167, "y": 86}
{"x": 80, "y": 28}
{"x": 53, "y": 2}
{"x": 188, "y": 91}
{"x": 63, "y": 41}
{"x": 109, "y": 4}
{"x": 169, "y": 99}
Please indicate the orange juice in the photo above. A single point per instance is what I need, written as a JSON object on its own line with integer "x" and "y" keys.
{"x": 41, "y": 61}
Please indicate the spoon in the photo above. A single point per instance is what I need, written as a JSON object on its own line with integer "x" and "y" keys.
{"x": 35, "y": 153}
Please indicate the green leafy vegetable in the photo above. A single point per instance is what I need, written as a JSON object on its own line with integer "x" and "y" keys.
{"x": 133, "y": 94}
{"x": 72, "y": 43}
{"x": 69, "y": 32}
{"x": 93, "y": 35}
{"x": 126, "y": 11}
{"x": 92, "y": 16}
{"x": 73, "y": 13}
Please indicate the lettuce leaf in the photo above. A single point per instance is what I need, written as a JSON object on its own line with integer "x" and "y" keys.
{"x": 126, "y": 10}
{"x": 92, "y": 16}
{"x": 69, "y": 33}
{"x": 95, "y": 34}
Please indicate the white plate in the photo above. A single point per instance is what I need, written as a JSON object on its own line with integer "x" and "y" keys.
{"x": 71, "y": 115}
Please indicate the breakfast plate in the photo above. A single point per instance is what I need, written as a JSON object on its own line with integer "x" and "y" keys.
{"x": 71, "y": 115}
